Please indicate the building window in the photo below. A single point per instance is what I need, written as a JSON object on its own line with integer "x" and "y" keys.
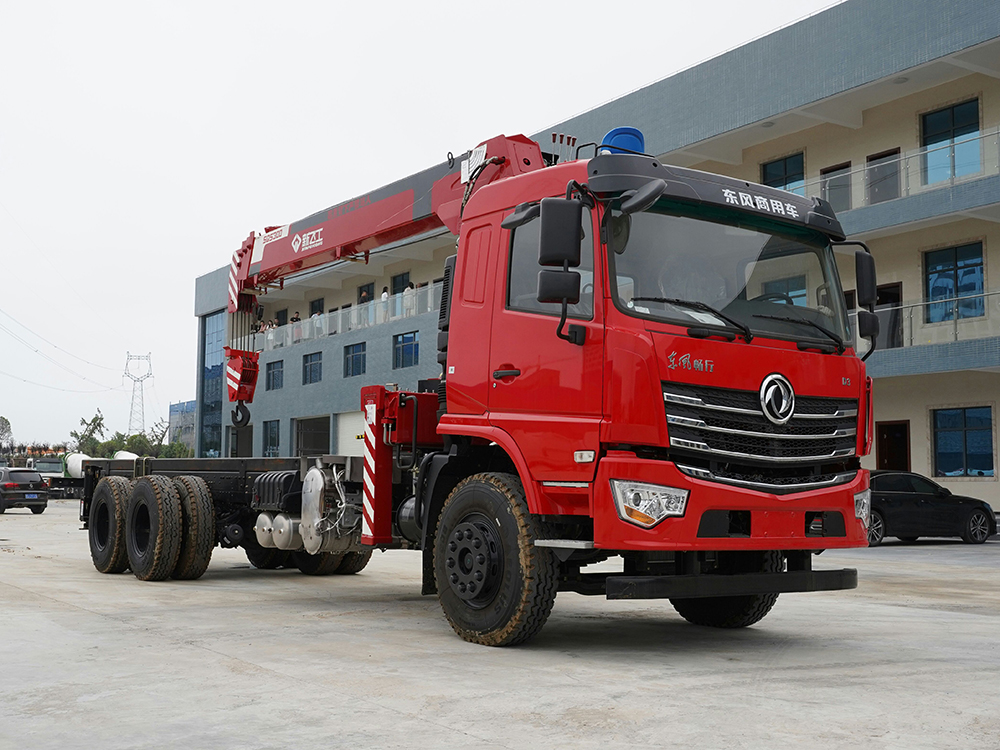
{"x": 282, "y": 317}
{"x": 793, "y": 287}
{"x": 787, "y": 174}
{"x": 354, "y": 360}
{"x": 213, "y": 383}
{"x": 882, "y": 177}
{"x": 950, "y": 138}
{"x": 835, "y": 186}
{"x": 275, "y": 376}
{"x": 963, "y": 442}
{"x": 316, "y": 307}
{"x": 272, "y": 446}
{"x": 954, "y": 275}
{"x": 312, "y": 368}
{"x": 405, "y": 350}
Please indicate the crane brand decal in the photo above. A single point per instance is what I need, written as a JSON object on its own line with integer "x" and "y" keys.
{"x": 760, "y": 203}
{"x": 354, "y": 205}
{"x": 307, "y": 240}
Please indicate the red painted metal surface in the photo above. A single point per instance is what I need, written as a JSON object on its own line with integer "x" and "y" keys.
{"x": 241, "y": 374}
{"x": 777, "y": 521}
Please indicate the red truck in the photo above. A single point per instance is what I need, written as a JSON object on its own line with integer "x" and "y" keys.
{"x": 639, "y": 361}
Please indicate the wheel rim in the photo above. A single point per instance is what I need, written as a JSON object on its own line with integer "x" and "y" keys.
{"x": 102, "y": 526}
{"x": 474, "y": 560}
{"x": 979, "y": 528}
{"x": 141, "y": 529}
{"x": 875, "y": 529}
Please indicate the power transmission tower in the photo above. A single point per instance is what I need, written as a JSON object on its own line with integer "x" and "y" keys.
{"x": 137, "y": 414}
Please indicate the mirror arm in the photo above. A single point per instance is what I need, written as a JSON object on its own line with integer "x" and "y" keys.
{"x": 871, "y": 349}
{"x": 575, "y": 334}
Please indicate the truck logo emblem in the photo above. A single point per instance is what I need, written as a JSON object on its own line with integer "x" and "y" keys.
{"x": 777, "y": 398}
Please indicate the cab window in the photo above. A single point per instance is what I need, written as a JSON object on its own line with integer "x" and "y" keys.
{"x": 523, "y": 268}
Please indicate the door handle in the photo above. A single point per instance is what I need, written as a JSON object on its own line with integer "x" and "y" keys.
{"x": 498, "y": 374}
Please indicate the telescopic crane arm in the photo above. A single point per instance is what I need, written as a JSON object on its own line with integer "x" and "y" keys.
{"x": 407, "y": 208}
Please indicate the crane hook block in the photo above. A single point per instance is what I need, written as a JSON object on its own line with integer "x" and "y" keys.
{"x": 240, "y": 415}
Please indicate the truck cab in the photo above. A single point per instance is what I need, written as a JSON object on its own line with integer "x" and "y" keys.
{"x": 711, "y": 396}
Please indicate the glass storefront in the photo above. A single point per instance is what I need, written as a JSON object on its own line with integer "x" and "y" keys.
{"x": 213, "y": 384}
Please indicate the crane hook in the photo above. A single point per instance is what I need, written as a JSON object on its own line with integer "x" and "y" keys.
{"x": 240, "y": 415}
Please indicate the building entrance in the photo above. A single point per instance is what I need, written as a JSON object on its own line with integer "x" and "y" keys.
{"x": 892, "y": 445}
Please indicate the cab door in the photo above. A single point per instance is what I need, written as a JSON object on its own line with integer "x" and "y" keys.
{"x": 544, "y": 391}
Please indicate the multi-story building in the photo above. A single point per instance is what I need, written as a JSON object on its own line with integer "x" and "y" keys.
{"x": 888, "y": 109}
{"x": 180, "y": 428}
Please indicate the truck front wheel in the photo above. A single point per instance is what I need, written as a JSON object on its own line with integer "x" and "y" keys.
{"x": 107, "y": 524}
{"x": 495, "y": 586}
{"x": 733, "y": 611}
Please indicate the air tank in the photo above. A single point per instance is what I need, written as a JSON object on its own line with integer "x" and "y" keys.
{"x": 264, "y": 529}
{"x": 74, "y": 464}
{"x": 286, "y": 534}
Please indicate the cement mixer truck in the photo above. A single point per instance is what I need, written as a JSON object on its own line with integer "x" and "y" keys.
{"x": 63, "y": 474}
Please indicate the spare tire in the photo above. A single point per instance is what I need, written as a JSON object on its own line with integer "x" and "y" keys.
{"x": 106, "y": 524}
{"x": 154, "y": 528}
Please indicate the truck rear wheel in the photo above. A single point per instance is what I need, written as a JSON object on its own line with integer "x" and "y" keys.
{"x": 733, "y": 611}
{"x": 495, "y": 586}
{"x": 322, "y": 564}
{"x": 198, "y": 539}
{"x": 106, "y": 525}
{"x": 353, "y": 562}
{"x": 266, "y": 558}
{"x": 153, "y": 528}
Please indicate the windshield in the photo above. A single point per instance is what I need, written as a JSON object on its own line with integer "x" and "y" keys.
{"x": 52, "y": 464}
{"x": 744, "y": 269}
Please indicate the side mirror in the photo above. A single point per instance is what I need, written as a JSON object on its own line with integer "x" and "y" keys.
{"x": 559, "y": 286}
{"x": 867, "y": 286}
{"x": 634, "y": 201}
{"x": 561, "y": 234}
{"x": 868, "y": 324}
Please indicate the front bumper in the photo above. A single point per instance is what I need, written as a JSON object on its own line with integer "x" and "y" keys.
{"x": 776, "y": 522}
{"x": 743, "y": 584}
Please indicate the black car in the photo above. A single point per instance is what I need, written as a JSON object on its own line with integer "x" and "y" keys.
{"x": 22, "y": 488}
{"x": 908, "y": 506}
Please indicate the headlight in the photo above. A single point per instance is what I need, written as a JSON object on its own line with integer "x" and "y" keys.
{"x": 863, "y": 506}
{"x": 647, "y": 504}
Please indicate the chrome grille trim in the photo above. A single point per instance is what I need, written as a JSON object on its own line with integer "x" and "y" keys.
{"x": 705, "y": 474}
{"x": 677, "y": 398}
{"x": 699, "y": 424}
{"x": 705, "y": 448}
{"x": 692, "y": 401}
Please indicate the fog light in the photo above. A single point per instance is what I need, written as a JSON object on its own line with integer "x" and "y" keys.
{"x": 863, "y": 506}
{"x": 647, "y": 504}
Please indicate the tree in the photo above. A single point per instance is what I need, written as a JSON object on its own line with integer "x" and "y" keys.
{"x": 86, "y": 439}
{"x": 139, "y": 445}
{"x": 176, "y": 449}
{"x": 6, "y": 436}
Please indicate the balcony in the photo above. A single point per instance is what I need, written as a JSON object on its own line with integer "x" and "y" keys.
{"x": 941, "y": 335}
{"x": 896, "y": 175}
{"x": 398, "y": 307}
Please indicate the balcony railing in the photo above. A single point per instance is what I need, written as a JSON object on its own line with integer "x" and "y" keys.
{"x": 899, "y": 175}
{"x": 936, "y": 321}
{"x": 407, "y": 304}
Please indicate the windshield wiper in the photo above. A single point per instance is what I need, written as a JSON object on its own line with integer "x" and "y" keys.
{"x": 822, "y": 329}
{"x": 696, "y": 305}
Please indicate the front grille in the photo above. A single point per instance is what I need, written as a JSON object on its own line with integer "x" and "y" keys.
{"x": 731, "y": 424}
{"x": 722, "y": 435}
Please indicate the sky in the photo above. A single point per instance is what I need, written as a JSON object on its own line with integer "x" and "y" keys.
{"x": 140, "y": 143}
